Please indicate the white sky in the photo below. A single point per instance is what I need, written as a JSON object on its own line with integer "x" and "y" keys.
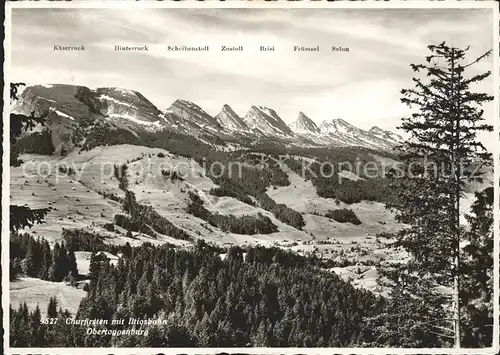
{"x": 361, "y": 86}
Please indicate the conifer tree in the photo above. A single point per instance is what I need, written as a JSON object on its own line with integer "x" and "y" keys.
{"x": 29, "y": 262}
{"x": 72, "y": 266}
{"x": 477, "y": 278}
{"x": 15, "y": 268}
{"x": 63, "y": 262}
{"x": 55, "y": 268}
{"x": 442, "y": 155}
{"x": 46, "y": 261}
{"x": 37, "y": 329}
{"x": 52, "y": 308}
{"x": 20, "y": 327}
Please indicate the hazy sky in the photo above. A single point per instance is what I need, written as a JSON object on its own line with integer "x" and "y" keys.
{"x": 361, "y": 86}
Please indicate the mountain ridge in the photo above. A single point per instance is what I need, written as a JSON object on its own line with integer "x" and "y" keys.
{"x": 131, "y": 110}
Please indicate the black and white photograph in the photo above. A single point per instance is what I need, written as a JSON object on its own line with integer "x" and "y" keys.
{"x": 291, "y": 178}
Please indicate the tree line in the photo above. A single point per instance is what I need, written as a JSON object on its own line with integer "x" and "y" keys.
{"x": 329, "y": 184}
{"x": 246, "y": 224}
{"x": 35, "y": 143}
{"x": 28, "y": 330}
{"x": 147, "y": 219}
{"x": 197, "y": 291}
{"x": 254, "y": 297}
{"x": 142, "y": 218}
{"x": 34, "y": 257}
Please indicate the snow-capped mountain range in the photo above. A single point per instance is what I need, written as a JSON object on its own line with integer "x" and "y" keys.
{"x": 131, "y": 110}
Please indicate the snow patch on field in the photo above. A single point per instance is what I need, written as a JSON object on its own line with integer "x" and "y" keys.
{"x": 300, "y": 194}
{"x": 38, "y": 292}
{"x": 384, "y": 161}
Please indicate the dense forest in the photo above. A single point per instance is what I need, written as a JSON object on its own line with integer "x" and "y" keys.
{"x": 83, "y": 240}
{"x": 256, "y": 297}
{"x": 260, "y": 170}
{"x": 89, "y": 135}
{"x": 34, "y": 257}
{"x": 35, "y": 143}
{"x": 208, "y": 296}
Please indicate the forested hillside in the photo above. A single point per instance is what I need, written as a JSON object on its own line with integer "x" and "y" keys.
{"x": 253, "y": 297}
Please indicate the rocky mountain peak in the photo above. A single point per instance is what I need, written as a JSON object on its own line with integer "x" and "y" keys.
{"x": 191, "y": 112}
{"x": 118, "y": 104}
{"x": 266, "y": 121}
{"x": 230, "y": 120}
{"x": 304, "y": 124}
